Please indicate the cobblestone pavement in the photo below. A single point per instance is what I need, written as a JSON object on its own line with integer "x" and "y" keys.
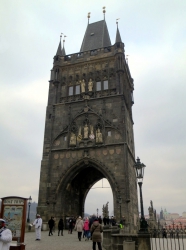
{"x": 55, "y": 242}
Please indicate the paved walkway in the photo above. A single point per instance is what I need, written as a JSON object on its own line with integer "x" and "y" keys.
{"x": 55, "y": 242}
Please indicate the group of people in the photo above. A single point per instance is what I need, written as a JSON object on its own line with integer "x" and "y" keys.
{"x": 91, "y": 228}
{"x": 51, "y": 225}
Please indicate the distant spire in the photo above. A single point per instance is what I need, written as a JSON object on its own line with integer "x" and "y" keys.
{"x": 59, "y": 52}
{"x": 118, "y": 37}
{"x": 104, "y": 11}
{"x": 88, "y": 17}
{"x": 63, "y": 49}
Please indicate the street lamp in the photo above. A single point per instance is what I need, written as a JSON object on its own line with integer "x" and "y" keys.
{"x": 29, "y": 203}
{"x": 139, "y": 167}
{"x": 97, "y": 212}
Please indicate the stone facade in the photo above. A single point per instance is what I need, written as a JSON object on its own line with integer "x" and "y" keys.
{"x": 89, "y": 134}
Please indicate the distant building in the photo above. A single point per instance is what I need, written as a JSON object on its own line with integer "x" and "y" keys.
{"x": 184, "y": 214}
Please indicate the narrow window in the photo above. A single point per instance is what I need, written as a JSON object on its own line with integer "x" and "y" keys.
{"x": 77, "y": 89}
{"x": 105, "y": 84}
{"x": 65, "y": 138}
{"x": 98, "y": 86}
{"x": 109, "y": 133}
{"x": 70, "y": 90}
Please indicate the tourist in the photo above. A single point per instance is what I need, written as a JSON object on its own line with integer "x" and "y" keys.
{"x": 60, "y": 227}
{"x": 86, "y": 229}
{"x": 71, "y": 224}
{"x": 79, "y": 227}
{"x": 96, "y": 230}
{"x": 38, "y": 223}
{"x": 5, "y": 236}
{"x": 51, "y": 225}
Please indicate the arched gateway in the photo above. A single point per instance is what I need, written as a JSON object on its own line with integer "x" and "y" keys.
{"x": 89, "y": 128}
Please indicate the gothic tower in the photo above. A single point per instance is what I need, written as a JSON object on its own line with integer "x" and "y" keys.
{"x": 89, "y": 128}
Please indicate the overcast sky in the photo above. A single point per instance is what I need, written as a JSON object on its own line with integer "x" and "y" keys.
{"x": 154, "y": 33}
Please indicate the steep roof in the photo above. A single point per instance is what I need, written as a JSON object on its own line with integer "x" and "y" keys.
{"x": 63, "y": 51}
{"x": 59, "y": 52}
{"x": 96, "y": 36}
{"x": 118, "y": 37}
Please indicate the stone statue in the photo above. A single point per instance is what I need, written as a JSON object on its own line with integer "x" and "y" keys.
{"x": 86, "y": 131}
{"x": 82, "y": 86}
{"x": 99, "y": 138}
{"x": 72, "y": 139}
{"x": 91, "y": 136}
{"x": 79, "y": 137}
{"x": 90, "y": 85}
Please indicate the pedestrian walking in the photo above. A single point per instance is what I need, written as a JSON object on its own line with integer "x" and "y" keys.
{"x": 60, "y": 227}
{"x": 51, "y": 225}
{"x": 79, "y": 227}
{"x": 96, "y": 230}
{"x": 38, "y": 223}
{"x": 71, "y": 225}
{"x": 5, "y": 236}
{"x": 86, "y": 229}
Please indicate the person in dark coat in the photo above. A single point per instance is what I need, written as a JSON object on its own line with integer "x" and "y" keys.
{"x": 100, "y": 220}
{"x": 105, "y": 221}
{"x": 96, "y": 230}
{"x": 51, "y": 225}
{"x": 71, "y": 225}
{"x": 91, "y": 220}
{"x": 60, "y": 227}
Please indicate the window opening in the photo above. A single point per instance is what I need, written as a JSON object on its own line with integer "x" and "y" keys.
{"x": 70, "y": 90}
{"x": 98, "y": 86}
{"x": 77, "y": 89}
{"x": 105, "y": 84}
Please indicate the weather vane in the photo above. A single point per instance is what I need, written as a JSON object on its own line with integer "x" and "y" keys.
{"x": 117, "y": 20}
{"x": 64, "y": 40}
{"x": 104, "y": 11}
{"x": 61, "y": 36}
{"x": 88, "y": 16}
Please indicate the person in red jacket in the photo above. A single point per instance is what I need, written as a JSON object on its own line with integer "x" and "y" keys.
{"x": 86, "y": 229}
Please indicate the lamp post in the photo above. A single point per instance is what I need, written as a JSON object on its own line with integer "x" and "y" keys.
{"x": 139, "y": 167}
{"x": 29, "y": 203}
{"x": 97, "y": 212}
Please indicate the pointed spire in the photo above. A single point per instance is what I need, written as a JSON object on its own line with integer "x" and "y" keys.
{"x": 63, "y": 49}
{"x": 59, "y": 52}
{"x": 118, "y": 37}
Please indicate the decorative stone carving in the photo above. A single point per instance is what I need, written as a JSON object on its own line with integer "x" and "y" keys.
{"x": 86, "y": 131}
{"x": 72, "y": 139}
{"x": 91, "y": 136}
{"x": 79, "y": 137}
{"x": 99, "y": 138}
{"x": 82, "y": 83}
{"x": 90, "y": 85}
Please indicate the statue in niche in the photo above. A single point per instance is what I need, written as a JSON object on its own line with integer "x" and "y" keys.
{"x": 90, "y": 85}
{"x": 91, "y": 136}
{"x": 99, "y": 138}
{"x": 86, "y": 131}
{"x": 82, "y": 83}
{"x": 79, "y": 137}
{"x": 72, "y": 139}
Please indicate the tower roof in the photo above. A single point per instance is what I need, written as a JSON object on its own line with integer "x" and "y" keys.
{"x": 96, "y": 36}
{"x": 118, "y": 37}
{"x": 59, "y": 52}
{"x": 63, "y": 53}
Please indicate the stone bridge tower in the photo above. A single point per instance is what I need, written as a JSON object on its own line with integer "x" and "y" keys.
{"x": 89, "y": 128}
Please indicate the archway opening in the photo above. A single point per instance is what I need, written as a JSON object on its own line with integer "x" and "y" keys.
{"x": 99, "y": 195}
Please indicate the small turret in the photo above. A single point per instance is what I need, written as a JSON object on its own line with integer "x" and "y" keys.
{"x": 118, "y": 37}
{"x": 59, "y": 51}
